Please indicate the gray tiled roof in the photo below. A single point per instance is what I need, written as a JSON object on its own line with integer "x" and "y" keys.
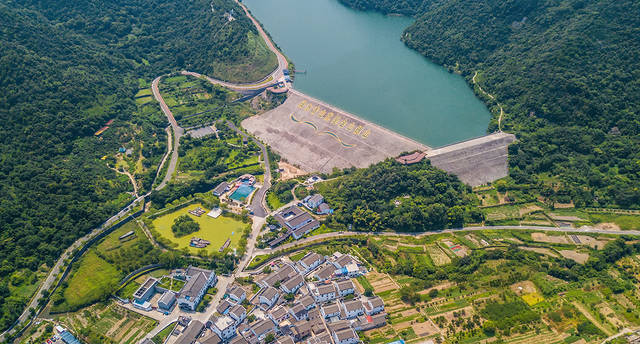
{"x": 194, "y": 285}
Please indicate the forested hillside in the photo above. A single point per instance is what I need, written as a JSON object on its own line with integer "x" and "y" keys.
{"x": 66, "y": 68}
{"x": 400, "y": 197}
{"x": 568, "y": 75}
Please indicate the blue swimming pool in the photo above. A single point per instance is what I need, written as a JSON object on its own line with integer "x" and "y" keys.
{"x": 242, "y": 192}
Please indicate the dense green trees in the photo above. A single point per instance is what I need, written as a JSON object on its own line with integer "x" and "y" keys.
{"x": 67, "y": 67}
{"x": 184, "y": 225}
{"x": 410, "y": 198}
{"x": 566, "y": 73}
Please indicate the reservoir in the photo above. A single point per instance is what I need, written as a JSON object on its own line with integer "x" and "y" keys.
{"x": 355, "y": 60}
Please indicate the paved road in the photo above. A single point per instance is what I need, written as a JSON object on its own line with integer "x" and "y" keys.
{"x": 270, "y": 79}
{"x": 166, "y": 154}
{"x": 177, "y": 132}
{"x": 58, "y": 267}
{"x": 333, "y": 235}
{"x": 257, "y": 206}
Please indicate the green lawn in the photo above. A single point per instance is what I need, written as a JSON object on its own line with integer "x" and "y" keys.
{"x": 89, "y": 283}
{"x": 624, "y": 221}
{"x": 215, "y": 230}
{"x": 162, "y": 335}
{"x": 297, "y": 256}
{"x": 144, "y": 92}
{"x": 273, "y": 202}
{"x": 253, "y": 68}
{"x": 128, "y": 290}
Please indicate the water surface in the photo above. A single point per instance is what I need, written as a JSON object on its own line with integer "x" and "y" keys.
{"x": 356, "y": 61}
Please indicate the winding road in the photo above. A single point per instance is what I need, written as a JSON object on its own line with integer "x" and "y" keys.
{"x": 267, "y": 81}
{"x": 177, "y": 133}
{"x": 257, "y": 205}
{"x": 258, "y": 208}
{"x": 492, "y": 98}
{"x": 333, "y": 235}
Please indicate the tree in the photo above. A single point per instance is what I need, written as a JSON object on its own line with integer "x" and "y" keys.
{"x": 184, "y": 225}
{"x": 409, "y": 295}
{"x": 269, "y": 338}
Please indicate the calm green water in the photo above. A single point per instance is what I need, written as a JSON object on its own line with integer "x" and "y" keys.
{"x": 356, "y": 61}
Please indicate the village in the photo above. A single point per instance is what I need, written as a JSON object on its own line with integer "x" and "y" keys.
{"x": 313, "y": 300}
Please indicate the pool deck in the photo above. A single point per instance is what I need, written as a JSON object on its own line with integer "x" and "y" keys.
{"x": 253, "y": 188}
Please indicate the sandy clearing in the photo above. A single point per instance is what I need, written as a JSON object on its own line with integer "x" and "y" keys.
{"x": 565, "y": 218}
{"x": 425, "y": 329}
{"x": 607, "y": 226}
{"x": 610, "y": 315}
{"x": 529, "y": 209}
{"x": 442, "y": 286}
{"x": 575, "y": 256}
{"x": 524, "y": 287}
{"x": 289, "y": 171}
{"x": 541, "y": 250}
{"x": 553, "y": 239}
{"x": 592, "y": 242}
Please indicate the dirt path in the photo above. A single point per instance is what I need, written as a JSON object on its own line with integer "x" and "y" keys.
{"x": 149, "y": 236}
{"x": 492, "y": 98}
{"x": 588, "y": 315}
{"x": 131, "y": 179}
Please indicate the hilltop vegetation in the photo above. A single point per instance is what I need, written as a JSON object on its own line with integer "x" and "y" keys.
{"x": 566, "y": 73}
{"x": 68, "y": 67}
{"x": 410, "y": 198}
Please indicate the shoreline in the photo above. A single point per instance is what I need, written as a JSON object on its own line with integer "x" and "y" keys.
{"x": 423, "y": 146}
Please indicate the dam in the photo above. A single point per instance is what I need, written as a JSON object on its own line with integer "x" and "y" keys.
{"x": 318, "y": 137}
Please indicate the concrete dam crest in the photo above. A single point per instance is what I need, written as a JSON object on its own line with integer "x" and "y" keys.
{"x": 319, "y": 137}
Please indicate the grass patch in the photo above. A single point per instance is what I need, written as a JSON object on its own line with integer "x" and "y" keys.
{"x": 626, "y": 222}
{"x": 297, "y": 256}
{"x": 171, "y": 284}
{"x": 364, "y": 282}
{"x": 532, "y": 298}
{"x": 162, "y": 335}
{"x": 93, "y": 279}
{"x": 217, "y": 231}
{"x": 257, "y": 260}
{"x": 255, "y": 67}
{"x": 273, "y": 202}
{"x": 127, "y": 291}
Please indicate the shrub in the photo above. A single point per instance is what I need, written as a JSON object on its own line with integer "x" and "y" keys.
{"x": 184, "y": 225}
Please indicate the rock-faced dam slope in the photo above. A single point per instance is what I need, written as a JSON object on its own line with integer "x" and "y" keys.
{"x": 476, "y": 161}
{"x": 318, "y": 137}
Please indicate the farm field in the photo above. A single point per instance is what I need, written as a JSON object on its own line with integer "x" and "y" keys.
{"x": 217, "y": 231}
{"x": 196, "y": 102}
{"x": 107, "y": 323}
{"x": 503, "y": 205}
{"x": 518, "y": 293}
